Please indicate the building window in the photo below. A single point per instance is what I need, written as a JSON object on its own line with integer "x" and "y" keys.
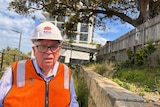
{"x": 83, "y": 37}
{"x": 52, "y": 18}
{"x": 59, "y": 25}
{"x": 84, "y": 27}
{"x": 73, "y": 37}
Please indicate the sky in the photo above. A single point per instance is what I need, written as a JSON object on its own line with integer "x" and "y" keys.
{"x": 13, "y": 24}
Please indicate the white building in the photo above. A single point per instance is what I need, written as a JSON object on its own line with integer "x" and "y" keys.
{"x": 83, "y": 38}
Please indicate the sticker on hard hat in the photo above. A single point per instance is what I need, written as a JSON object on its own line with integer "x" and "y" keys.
{"x": 47, "y": 30}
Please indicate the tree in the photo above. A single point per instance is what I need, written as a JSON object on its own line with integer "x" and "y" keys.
{"x": 10, "y": 55}
{"x": 134, "y": 12}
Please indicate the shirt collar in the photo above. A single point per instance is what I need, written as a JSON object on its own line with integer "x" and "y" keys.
{"x": 38, "y": 70}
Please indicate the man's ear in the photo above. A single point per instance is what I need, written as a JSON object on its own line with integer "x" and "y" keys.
{"x": 33, "y": 49}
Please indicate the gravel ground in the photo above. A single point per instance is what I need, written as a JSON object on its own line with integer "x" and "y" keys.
{"x": 152, "y": 98}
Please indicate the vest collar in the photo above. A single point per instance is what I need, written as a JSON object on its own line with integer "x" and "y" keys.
{"x": 38, "y": 70}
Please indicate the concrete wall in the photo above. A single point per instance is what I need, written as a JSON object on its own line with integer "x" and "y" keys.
{"x": 105, "y": 93}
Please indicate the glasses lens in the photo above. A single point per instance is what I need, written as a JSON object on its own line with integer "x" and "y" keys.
{"x": 53, "y": 48}
{"x": 43, "y": 48}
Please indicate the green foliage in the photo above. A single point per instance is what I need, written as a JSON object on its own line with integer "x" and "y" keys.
{"x": 142, "y": 54}
{"x": 134, "y": 71}
{"x": 29, "y": 53}
{"x": 116, "y": 66}
{"x": 101, "y": 68}
{"x": 70, "y": 28}
{"x": 98, "y": 45}
{"x": 125, "y": 85}
{"x": 93, "y": 43}
{"x": 11, "y": 55}
{"x": 129, "y": 75}
{"x": 71, "y": 41}
{"x": 84, "y": 10}
{"x": 158, "y": 59}
{"x": 1, "y": 73}
{"x": 130, "y": 55}
{"x": 80, "y": 87}
{"x": 140, "y": 57}
{"x": 138, "y": 78}
{"x": 82, "y": 93}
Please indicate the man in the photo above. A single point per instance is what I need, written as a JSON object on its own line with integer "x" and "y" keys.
{"x": 42, "y": 81}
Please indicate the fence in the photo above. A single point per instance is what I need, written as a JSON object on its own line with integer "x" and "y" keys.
{"x": 149, "y": 31}
{"x": 7, "y": 61}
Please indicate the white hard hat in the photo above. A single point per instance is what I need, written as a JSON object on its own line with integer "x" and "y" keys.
{"x": 46, "y": 30}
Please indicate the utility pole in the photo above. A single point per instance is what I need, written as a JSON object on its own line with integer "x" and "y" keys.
{"x": 19, "y": 46}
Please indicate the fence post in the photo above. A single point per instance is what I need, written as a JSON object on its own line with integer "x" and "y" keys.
{"x": 14, "y": 57}
{"x": 2, "y": 61}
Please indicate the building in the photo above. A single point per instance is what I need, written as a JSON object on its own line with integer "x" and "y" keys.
{"x": 82, "y": 39}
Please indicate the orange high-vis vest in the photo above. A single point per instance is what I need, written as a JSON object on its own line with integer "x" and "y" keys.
{"x": 29, "y": 89}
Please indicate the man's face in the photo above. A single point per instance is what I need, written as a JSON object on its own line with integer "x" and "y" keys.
{"x": 46, "y": 53}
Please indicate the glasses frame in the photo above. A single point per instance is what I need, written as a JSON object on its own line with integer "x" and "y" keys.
{"x": 44, "y": 48}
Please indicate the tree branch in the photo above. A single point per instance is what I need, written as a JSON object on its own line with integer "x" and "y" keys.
{"x": 122, "y": 16}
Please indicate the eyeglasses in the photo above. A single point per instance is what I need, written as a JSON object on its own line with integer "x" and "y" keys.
{"x": 43, "y": 48}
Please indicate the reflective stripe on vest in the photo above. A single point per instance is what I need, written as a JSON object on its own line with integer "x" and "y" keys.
{"x": 66, "y": 77}
{"x": 21, "y": 74}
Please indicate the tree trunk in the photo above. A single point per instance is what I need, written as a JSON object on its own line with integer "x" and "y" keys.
{"x": 143, "y": 6}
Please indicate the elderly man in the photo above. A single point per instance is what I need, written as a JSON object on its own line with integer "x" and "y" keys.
{"x": 42, "y": 81}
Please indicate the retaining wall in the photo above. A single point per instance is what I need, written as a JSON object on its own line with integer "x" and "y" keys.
{"x": 105, "y": 93}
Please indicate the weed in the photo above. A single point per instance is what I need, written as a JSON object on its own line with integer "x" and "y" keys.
{"x": 80, "y": 87}
{"x": 137, "y": 79}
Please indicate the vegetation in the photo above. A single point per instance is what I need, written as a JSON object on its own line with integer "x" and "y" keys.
{"x": 140, "y": 80}
{"x": 1, "y": 74}
{"x": 134, "y": 12}
{"x": 137, "y": 76}
{"x": 10, "y": 55}
{"x": 80, "y": 87}
{"x": 134, "y": 74}
{"x": 139, "y": 57}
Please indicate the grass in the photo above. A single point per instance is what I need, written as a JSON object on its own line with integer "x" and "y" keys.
{"x": 80, "y": 87}
{"x": 136, "y": 79}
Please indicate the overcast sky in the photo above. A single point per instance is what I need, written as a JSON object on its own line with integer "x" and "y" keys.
{"x": 11, "y": 21}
